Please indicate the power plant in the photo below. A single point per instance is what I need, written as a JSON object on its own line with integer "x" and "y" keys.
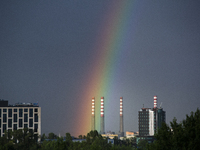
{"x": 149, "y": 120}
{"x": 102, "y": 123}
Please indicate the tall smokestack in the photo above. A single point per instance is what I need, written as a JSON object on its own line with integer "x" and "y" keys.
{"x": 155, "y": 101}
{"x": 102, "y": 131}
{"x": 93, "y": 115}
{"x": 121, "y": 118}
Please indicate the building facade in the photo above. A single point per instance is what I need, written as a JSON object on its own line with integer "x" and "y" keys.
{"x": 146, "y": 122}
{"x": 19, "y": 116}
{"x": 150, "y": 119}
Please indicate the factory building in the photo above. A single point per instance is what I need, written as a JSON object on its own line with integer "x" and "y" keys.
{"x": 19, "y": 116}
{"x": 149, "y": 120}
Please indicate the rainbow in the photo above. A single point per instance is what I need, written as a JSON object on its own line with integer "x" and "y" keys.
{"x": 113, "y": 40}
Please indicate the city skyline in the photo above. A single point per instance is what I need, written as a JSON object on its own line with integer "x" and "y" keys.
{"x": 63, "y": 53}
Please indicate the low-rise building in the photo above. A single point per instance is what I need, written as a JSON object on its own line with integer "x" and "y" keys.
{"x": 131, "y": 134}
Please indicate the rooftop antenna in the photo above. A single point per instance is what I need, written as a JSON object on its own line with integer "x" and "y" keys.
{"x": 160, "y": 104}
{"x": 143, "y": 105}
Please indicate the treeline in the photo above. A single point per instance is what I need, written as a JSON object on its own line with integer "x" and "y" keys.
{"x": 178, "y": 136}
{"x": 19, "y": 140}
{"x": 93, "y": 141}
{"x": 25, "y": 140}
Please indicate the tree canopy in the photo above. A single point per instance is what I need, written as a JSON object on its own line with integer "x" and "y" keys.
{"x": 179, "y": 136}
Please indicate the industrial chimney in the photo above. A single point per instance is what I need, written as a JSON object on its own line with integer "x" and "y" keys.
{"x": 155, "y": 101}
{"x": 121, "y": 118}
{"x": 93, "y": 115}
{"x": 102, "y": 130}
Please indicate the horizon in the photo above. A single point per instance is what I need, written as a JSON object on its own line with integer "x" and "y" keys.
{"x": 63, "y": 53}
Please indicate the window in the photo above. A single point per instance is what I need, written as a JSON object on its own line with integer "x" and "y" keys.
{"x": 20, "y": 122}
{"x": 4, "y": 127}
{"x": 0, "y": 115}
{"x": 25, "y": 110}
{"x": 30, "y": 112}
{"x": 9, "y": 112}
{"x": 25, "y": 125}
{"x": 15, "y": 110}
{"x": 15, "y": 117}
{"x": 30, "y": 122}
{"x": 9, "y": 123}
{"x": 25, "y": 117}
{"x": 4, "y": 117}
{"x": 35, "y": 127}
{"x": 15, "y": 127}
{"x": 36, "y": 110}
{"x": 20, "y": 112}
{"x": 4, "y": 110}
{"x": 0, "y": 125}
{"x": 36, "y": 117}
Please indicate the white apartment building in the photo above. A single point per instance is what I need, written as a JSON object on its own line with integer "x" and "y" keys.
{"x": 20, "y": 116}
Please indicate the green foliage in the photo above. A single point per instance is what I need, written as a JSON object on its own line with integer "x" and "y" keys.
{"x": 142, "y": 145}
{"x": 18, "y": 140}
{"x": 24, "y": 140}
{"x": 52, "y": 136}
{"x": 180, "y": 136}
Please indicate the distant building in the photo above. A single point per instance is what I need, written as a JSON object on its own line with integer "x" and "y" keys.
{"x": 131, "y": 134}
{"x": 19, "y": 116}
{"x": 109, "y": 135}
{"x": 149, "y": 139}
{"x": 150, "y": 119}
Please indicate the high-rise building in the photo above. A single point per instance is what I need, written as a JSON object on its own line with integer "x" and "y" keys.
{"x": 146, "y": 121}
{"x": 19, "y": 116}
{"x": 150, "y": 119}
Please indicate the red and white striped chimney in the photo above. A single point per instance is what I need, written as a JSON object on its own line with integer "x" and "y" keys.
{"x": 93, "y": 115}
{"x": 155, "y": 101}
{"x": 93, "y": 106}
{"x": 121, "y": 106}
{"x": 121, "y": 128}
{"x": 102, "y": 106}
{"x": 102, "y": 129}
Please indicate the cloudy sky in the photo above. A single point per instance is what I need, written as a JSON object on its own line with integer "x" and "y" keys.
{"x": 62, "y": 53}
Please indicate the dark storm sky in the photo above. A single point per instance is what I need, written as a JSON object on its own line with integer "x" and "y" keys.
{"x": 46, "y": 49}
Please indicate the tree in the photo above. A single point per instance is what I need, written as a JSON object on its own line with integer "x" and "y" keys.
{"x": 52, "y": 136}
{"x": 163, "y": 138}
{"x": 23, "y": 139}
{"x": 184, "y": 135}
{"x": 43, "y": 137}
{"x": 142, "y": 144}
{"x": 80, "y": 137}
